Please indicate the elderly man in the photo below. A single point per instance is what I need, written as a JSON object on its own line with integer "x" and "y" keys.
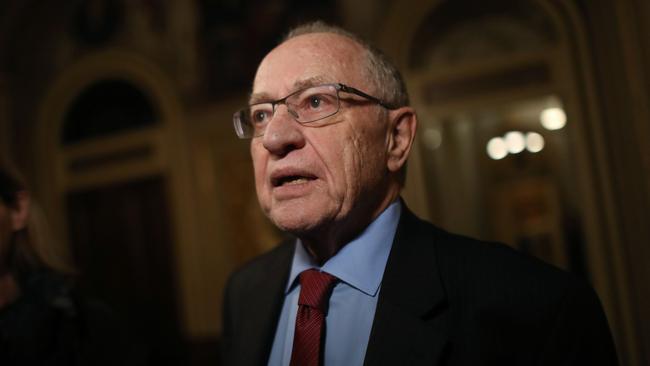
{"x": 366, "y": 282}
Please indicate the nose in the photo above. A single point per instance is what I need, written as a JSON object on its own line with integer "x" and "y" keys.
{"x": 283, "y": 133}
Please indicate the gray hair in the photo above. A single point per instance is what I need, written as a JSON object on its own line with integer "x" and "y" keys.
{"x": 387, "y": 79}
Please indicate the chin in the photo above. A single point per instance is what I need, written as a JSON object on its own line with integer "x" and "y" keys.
{"x": 296, "y": 220}
{"x": 293, "y": 224}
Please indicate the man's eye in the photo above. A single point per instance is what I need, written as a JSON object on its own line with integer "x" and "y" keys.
{"x": 315, "y": 101}
{"x": 260, "y": 116}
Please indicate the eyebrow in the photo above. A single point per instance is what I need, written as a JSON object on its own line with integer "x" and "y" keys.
{"x": 263, "y": 97}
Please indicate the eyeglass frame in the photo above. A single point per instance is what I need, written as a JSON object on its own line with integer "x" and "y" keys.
{"x": 238, "y": 125}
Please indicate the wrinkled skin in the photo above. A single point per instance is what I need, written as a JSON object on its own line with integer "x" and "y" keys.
{"x": 349, "y": 160}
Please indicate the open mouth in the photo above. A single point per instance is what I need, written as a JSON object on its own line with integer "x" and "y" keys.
{"x": 291, "y": 180}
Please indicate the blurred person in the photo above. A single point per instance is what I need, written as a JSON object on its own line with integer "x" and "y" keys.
{"x": 43, "y": 319}
{"x": 366, "y": 282}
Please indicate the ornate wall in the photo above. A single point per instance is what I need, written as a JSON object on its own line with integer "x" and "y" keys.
{"x": 194, "y": 61}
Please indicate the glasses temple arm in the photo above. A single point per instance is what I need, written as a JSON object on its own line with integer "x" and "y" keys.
{"x": 349, "y": 89}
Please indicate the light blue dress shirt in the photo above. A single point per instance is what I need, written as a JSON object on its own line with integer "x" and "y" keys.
{"x": 359, "y": 266}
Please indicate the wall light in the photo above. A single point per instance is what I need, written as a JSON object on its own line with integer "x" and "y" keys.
{"x": 553, "y": 118}
{"x": 534, "y": 142}
{"x": 497, "y": 148}
{"x": 515, "y": 142}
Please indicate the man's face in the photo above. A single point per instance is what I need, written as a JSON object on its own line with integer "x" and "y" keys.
{"x": 311, "y": 176}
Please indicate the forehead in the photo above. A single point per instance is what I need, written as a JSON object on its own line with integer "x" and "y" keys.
{"x": 310, "y": 58}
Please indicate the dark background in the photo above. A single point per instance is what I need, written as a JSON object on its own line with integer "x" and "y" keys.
{"x": 118, "y": 112}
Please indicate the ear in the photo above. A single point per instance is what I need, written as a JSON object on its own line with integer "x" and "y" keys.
{"x": 20, "y": 212}
{"x": 403, "y": 123}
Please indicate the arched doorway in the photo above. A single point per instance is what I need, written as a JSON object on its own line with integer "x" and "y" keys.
{"x": 487, "y": 71}
{"x": 111, "y": 149}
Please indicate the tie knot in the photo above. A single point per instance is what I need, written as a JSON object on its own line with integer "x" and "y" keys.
{"x": 315, "y": 289}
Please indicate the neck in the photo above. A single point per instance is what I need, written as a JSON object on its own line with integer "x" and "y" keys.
{"x": 323, "y": 244}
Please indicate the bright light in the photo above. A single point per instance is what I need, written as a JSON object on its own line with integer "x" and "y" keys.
{"x": 553, "y": 118}
{"x": 534, "y": 142}
{"x": 515, "y": 142}
{"x": 497, "y": 148}
{"x": 432, "y": 138}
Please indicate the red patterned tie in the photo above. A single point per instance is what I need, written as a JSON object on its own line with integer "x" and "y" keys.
{"x": 315, "y": 290}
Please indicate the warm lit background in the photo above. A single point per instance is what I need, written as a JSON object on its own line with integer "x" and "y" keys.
{"x": 534, "y": 118}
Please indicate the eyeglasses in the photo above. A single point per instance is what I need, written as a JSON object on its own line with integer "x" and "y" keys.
{"x": 305, "y": 105}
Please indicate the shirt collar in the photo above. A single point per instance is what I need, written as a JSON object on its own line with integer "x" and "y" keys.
{"x": 361, "y": 262}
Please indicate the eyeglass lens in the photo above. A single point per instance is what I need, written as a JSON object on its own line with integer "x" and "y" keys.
{"x": 306, "y": 105}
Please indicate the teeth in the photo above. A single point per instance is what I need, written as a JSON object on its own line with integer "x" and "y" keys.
{"x": 292, "y": 179}
{"x": 297, "y": 181}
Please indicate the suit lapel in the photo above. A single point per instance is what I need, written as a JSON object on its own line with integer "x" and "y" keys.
{"x": 410, "y": 325}
{"x": 264, "y": 304}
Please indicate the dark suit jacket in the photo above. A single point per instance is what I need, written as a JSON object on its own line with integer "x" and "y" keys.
{"x": 444, "y": 300}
